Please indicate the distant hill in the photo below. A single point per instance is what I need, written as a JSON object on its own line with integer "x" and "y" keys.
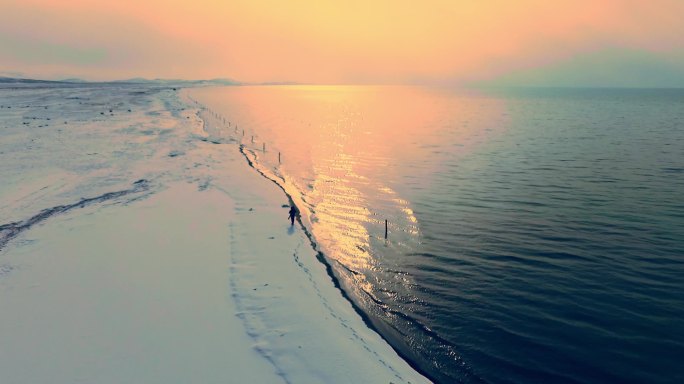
{"x": 14, "y": 80}
{"x": 179, "y": 82}
{"x": 134, "y": 80}
{"x": 73, "y": 80}
{"x": 138, "y": 80}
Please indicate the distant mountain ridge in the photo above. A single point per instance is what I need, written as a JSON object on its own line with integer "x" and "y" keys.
{"x": 137, "y": 80}
{"x": 142, "y": 80}
{"x": 4, "y": 79}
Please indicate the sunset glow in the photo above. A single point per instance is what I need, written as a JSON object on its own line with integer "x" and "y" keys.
{"x": 330, "y": 42}
{"x": 359, "y": 191}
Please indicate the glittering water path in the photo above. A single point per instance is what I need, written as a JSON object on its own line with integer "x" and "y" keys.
{"x": 534, "y": 236}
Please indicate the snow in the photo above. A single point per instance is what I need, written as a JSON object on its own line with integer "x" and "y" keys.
{"x": 193, "y": 274}
{"x": 127, "y": 295}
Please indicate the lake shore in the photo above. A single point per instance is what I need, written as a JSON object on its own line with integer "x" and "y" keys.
{"x": 195, "y": 276}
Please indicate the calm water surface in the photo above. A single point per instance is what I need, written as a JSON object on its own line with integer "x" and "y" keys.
{"x": 535, "y": 236}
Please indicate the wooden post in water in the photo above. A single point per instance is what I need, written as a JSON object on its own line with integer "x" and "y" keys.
{"x": 252, "y": 138}
{"x": 279, "y": 162}
{"x": 385, "y": 229}
{"x": 264, "y": 147}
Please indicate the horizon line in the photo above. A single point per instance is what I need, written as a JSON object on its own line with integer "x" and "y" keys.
{"x": 225, "y": 81}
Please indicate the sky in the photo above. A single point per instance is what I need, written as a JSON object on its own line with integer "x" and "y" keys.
{"x": 513, "y": 42}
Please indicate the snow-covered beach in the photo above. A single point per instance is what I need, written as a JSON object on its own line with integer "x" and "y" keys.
{"x": 135, "y": 246}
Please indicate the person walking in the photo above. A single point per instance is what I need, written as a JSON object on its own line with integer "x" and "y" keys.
{"x": 292, "y": 214}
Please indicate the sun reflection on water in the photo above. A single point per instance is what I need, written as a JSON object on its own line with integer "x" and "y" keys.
{"x": 343, "y": 153}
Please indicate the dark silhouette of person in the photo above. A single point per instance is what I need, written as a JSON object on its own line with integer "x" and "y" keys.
{"x": 292, "y": 214}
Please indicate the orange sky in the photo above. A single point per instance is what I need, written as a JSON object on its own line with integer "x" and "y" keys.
{"x": 328, "y": 41}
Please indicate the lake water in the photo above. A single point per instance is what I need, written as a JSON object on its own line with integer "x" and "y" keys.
{"x": 535, "y": 236}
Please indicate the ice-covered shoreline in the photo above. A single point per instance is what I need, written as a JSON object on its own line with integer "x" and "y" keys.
{"x": 196, "y": 277}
